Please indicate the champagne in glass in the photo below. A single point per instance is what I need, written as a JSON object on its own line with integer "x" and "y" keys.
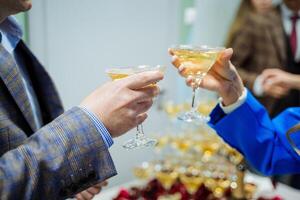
{"x": 197, "y": 61}
{"x": 140, "y": 139}
{"x": 167, "y": 177}
{"x": 192, "y": 180}
{"x": 144, "y": 171}
{"x": 182, "y": 144}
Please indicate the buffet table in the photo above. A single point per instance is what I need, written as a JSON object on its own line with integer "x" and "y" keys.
{"x": 264, "y": 188}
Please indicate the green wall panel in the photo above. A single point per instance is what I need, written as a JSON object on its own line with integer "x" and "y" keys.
{"x": 23, "y": 20}
{"x": 185, "y": 29}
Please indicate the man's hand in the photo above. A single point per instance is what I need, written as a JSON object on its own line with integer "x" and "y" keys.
{"x": 277, "y": 83}
{"x": 89, "y": 193}
{"x": 221, "y": 78}
{"x": 122, "y": 104}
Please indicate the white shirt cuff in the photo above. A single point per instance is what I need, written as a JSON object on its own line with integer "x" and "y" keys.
{"x": 257, "y": 87}
{"x": 234, "y": 106}
{"x": 100, "y": 127}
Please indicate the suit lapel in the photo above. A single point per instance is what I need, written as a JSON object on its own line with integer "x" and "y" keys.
{"x": 11, "y": 77}
{"x": 44, "y": 88}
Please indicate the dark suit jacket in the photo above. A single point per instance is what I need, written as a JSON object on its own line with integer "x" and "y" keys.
{"x": 65, "y": 156}
{"x": 259, "y": 44}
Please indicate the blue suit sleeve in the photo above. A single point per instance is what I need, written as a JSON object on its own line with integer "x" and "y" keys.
{"x": 61, "y": 159}
{"x": 261, "y": 140}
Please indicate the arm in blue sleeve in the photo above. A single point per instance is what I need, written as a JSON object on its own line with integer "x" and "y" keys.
{"x": 100, "y": 127}
{"x": 261, "y": 140}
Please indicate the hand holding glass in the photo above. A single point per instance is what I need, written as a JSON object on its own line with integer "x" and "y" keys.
{"x": 197, "y": 60}
{"x": 122, "y": 72}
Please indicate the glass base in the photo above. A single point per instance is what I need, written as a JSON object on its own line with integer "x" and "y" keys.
{"x": 139, "y": 143}
{"x": 194, "y": 116}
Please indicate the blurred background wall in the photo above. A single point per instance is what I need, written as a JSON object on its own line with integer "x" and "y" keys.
{"x": 23, "y": 20}
{"x": 76, "y": 40}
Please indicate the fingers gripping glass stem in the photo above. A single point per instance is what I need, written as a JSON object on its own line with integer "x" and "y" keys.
{"x": 140, "y": 139}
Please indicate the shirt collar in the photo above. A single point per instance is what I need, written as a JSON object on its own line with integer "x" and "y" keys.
{"x": 286, "y": 12}
{"x": 11, "y": 33}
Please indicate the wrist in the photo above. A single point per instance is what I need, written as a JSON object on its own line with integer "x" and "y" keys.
{"x": 295, "y": 81}
{"x": 233, "y": 93}
{"x": 229, "y": 100}
{"x": 101, "y": 128}
{"x": 230, "y": 108}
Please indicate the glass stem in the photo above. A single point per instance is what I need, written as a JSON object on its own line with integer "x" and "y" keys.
{"x": 197, "y": 84}
{"x": 193, "y": 99}
{"x": 139, "y": 131}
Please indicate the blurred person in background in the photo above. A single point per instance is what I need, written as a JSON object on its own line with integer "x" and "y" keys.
{"x": 264, "y": 37}
{"x": 47, "y": 153}
{"x": 276, "y": 77}
{"x": 265, "y": 41}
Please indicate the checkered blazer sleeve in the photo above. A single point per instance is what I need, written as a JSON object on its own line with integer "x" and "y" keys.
{"x": 242, "y": 45}
{"x": 62, "y": 158}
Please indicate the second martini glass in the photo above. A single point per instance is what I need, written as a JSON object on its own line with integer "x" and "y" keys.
{"x": 116, "y": 73}
{"x": 197, "y": 61}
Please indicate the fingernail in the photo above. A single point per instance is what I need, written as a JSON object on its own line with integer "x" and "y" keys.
{"x": 174, "y": 58}
{"x": 181, "y": 68}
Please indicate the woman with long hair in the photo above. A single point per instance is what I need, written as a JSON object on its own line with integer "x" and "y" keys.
{"x": 247, "y": 9}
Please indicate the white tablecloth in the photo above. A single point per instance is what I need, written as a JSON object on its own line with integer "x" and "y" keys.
{"x": 264, "y": 187}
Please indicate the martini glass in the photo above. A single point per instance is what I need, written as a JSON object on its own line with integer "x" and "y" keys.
{"x": 117, "y": 73}
{"x": 192, "y": 179}
{"x": 197, "y": 61}
{"x": 166, "y": 174}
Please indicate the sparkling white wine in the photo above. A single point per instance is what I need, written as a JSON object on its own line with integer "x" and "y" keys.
{"x": 191, "y": 181}
{"x": 116, "y": 76}
{"x": 167, "y": 177}
{"x": 196, "y": 62}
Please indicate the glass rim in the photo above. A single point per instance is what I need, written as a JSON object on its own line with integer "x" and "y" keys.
{"x": 201, "y": 48}
{"x": 135, "y": 69}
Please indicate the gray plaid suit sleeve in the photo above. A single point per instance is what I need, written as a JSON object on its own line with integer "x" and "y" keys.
{"x": 62, "y": 158}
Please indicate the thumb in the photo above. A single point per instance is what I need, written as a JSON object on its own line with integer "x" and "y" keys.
{"x": 223, "y": 61}
{"x": 226, "y": 55}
